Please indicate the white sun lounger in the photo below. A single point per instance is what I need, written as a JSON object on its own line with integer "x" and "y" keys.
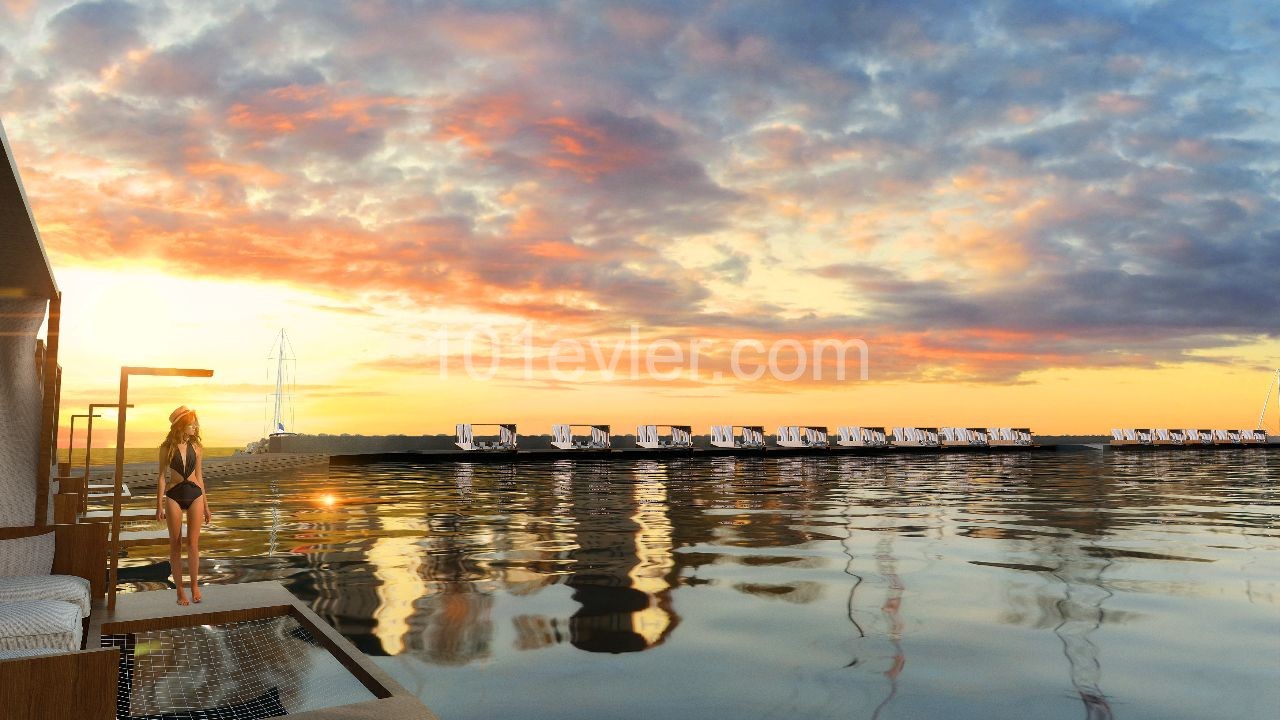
{"x": 1226, "y": 437}
{"x": 1253, "y": 437}
{"x": 1165, "y": 436}
{"x": 1196, "y": 436}
{"x": 1131, "y": 436}
{"x": 1012, "y": 437}
{"x": 816, "y": 437}
{"x": 789, "y": 436}
{"x": 506, "y": 438}
{"x": 803, "y": 436}
{"x": 963, "y": 437}
{"x": 747, "y": 436}
{"x": 854, "y": 436}
{"x": 676, "y": 437}
{"x": 597, "y": 438}
{"x": 915, "y": 437}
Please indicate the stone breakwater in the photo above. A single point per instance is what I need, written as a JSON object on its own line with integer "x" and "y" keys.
{"x": 143, "y": 475}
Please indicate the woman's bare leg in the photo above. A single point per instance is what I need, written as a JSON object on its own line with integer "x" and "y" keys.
{"x": 173, "y": 518}
{"x": 195, "y": 519}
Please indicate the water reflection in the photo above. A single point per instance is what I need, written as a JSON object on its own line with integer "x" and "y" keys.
{"x": 622, "y": 561}
{"x": 892, "y": 609}
{"x": 819, "y": 576}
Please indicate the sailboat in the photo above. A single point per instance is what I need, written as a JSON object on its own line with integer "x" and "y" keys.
{"x": 282, "y": 399}
{"x": 1272, "y": 389}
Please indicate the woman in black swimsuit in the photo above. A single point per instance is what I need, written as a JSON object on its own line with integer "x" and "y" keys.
{"x": 180, "y": 459}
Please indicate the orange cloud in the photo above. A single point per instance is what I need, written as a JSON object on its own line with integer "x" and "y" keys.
{"x": 578, "y": 146}
{"x": 287, "y": 110}
{"x": 557, "y": 250}
{"x": 248, "y": 173}
{"x": 479, "y": 121}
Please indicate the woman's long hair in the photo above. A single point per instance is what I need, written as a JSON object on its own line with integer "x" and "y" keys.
{"x": 169, "y": 447}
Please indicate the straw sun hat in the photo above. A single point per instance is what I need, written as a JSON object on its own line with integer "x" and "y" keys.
{"x": 178, "y": 415}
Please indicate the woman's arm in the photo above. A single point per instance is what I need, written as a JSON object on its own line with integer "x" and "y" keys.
{"x": 160, "y": 495}
{"x": 200, "y": 477}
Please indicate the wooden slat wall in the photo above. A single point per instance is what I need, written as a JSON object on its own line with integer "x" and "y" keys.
{"x": 81, "y": 550}
{"x": 66, "y": 507}
{"x": 78, "y": 685}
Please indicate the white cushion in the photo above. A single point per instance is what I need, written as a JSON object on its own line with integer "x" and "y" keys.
{"x": 40, "y": 624}
{"x": 27, "y": 556}
{"x": 28, "y": 652}
{"x": 67, "y": 588}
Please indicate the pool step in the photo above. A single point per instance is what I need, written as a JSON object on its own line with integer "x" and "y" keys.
{"x": 105, "y": 515}
{"x": 136, "y": 538}
{"x": 104, "y": 490}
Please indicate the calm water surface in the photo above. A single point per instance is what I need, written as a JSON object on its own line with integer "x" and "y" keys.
{"x": 1053, "y": 585}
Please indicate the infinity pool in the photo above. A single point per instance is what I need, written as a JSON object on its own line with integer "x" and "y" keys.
{"x": 1047, "y": 585}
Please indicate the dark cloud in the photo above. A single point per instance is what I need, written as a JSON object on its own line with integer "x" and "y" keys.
{"x": 128, "y": 129}
{"x": 85, "y": 36}
{"x": 618, "y": 175}
{"x": 181, "y": 71}
{"x": 1089, "y": 314}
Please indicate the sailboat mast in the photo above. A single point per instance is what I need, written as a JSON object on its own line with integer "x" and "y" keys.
{"x": 282, "y": 400}
{"x": 1266, "y": 400}
{"x": 276, "y": 424}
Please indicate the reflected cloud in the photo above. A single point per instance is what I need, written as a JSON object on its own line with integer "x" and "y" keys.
{"x": 451, "y": 625}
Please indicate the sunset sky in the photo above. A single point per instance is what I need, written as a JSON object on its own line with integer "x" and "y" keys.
{"x": 1061, "y": 215}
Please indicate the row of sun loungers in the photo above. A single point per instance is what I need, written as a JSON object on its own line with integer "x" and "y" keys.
{"x": 680, "y": 437}
{"x": 1190, "y": 436}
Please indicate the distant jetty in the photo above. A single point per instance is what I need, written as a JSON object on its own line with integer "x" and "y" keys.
{"x": 437, "y": 449}
{"x": 432, "y": 457}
